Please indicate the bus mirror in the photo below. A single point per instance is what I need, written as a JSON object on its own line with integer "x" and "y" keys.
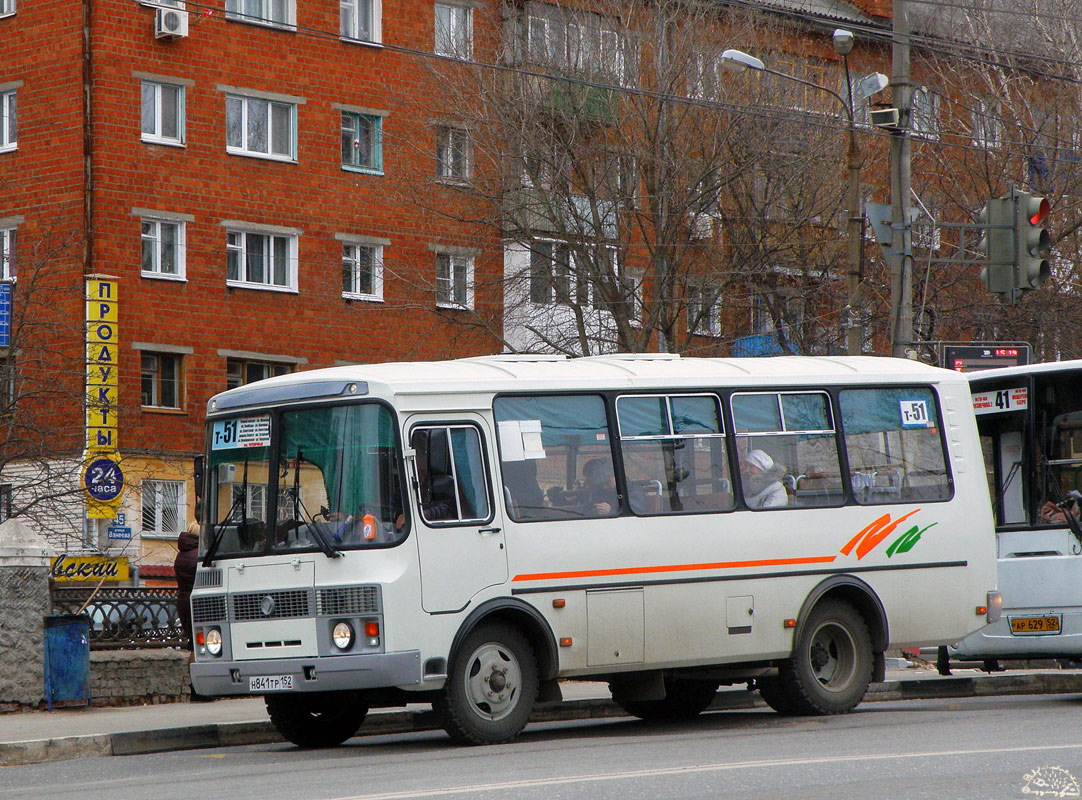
{"x": 198, "y": 473}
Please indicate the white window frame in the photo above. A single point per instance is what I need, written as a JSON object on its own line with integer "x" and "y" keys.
{"x": 924, "y": 116}
{"x": 156, "y": 488}
{"x": 446, "y": 37}
{"x": 446, "y": 144}
{"x": 9, "y": 260}
{"x": 154, "y": 235}
{"x": 156, "y": 373}
{"x": 156, "y": 136}
{"x": 377, "y": 141}
{"x": 349, "y": 27}
{"x": 7, "y": 8}
{"x": 270, "y": 368}
{"x": 351, "y": 262}
{"x": 705, "y": 79}
{"x": 237, "y": 10}
{"x": 9, "y": 121}
{"x": 987, "y": 129}
{"x": 247, "y": 105}
{"x": 456, "y": 262}
{"x": 708, "y": 324}
{"x": 238, "y": 240}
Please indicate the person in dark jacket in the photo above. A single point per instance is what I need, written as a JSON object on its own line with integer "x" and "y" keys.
{"x": 184, "y": 568}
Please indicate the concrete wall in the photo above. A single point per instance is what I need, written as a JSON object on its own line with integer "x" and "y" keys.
{"x": 24, "y": 601}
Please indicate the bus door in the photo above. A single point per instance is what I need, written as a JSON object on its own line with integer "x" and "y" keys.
{"x": 458, "y": 526}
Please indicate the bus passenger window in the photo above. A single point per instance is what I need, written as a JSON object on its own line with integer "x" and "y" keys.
{"x": 787, "y": 442}
{"x": 892, "y": 438}
{"x": 556, "y": 458}
{"x": 674, "y": 454}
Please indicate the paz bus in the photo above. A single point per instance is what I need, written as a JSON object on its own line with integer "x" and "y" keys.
{"x": 468, "y": 533}
{"x": 1030, "y": 423}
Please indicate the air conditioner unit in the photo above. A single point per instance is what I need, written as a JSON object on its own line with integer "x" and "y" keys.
{"x": 170, "y": 23}
{"x": 884, "y": 117}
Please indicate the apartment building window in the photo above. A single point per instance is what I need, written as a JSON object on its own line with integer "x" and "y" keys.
{"x": 9, "y": 122}
{"x": 279, "y": 13}
{"x": 259, "y": 260}
{"x": 6, "y": 491}
{"x": 704, "y": 83}
{"x": 7, "y": 7}
{"x": 261, "y": 127}
{"x": 8, "y": 238}
{"x": 160, "y": 380}
{"x": 163, "y": 508}
{"x": 704, "y": 310}
{"x": 551, "y": 279}
{"x": 362, "y": 142}
{"x": 8, "y": 375}
{"x": 162, "y": 113}
{"x": 362, "y": 271}
{"x": 162, "y": 248}
{"x": 454, "y": 280}
{"x": 454, "y": 30}
{"x": 240, "y": 371}
{"x": 360, "y": 20}
{"x": 580, "y": 41}
{"x": 452, "y": 153}
{"x": 986, "y": 127}
{"x": 925, "y": 113}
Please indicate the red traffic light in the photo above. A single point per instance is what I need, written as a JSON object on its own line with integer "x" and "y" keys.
{"x": 1044, "y": 208}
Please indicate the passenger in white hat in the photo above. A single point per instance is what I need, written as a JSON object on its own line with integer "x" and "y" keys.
{"x": 762, "y": 488}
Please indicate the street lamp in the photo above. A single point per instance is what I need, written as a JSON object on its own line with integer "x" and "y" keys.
{"x": 843, "y": 45}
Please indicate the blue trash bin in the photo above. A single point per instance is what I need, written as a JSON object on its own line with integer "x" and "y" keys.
{"x": 67, "y": 659}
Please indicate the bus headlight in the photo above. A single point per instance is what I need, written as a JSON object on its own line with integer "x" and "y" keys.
{"x": 214, "y": 642}
{"x": 342, "y": 635}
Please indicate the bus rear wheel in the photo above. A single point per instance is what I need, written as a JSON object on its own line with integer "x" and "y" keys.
{"x": 683, "y": 700}
{"x": 491, "y": 686}
{"x": 321, "y": 719}
{"x": 832, "y": 663}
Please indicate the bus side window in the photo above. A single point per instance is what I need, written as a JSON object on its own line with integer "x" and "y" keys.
{"x": 451, "y": 477}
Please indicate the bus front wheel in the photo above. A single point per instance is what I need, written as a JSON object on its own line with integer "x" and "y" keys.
{"x": 321, "y": 719}
{"x": 491, "y": 687}
{"x": 832, "y": 663}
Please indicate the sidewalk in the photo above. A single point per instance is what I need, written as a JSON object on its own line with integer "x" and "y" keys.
{"x": 36, "y": 737}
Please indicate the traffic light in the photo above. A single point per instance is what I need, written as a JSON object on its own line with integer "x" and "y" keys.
{"x": 1031, "y": 216}
{"x": 997, "y": 223}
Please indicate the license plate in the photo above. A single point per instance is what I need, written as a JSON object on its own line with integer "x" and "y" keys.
{"x": 1023, "y": 625}
{"x": 270, "y": 683}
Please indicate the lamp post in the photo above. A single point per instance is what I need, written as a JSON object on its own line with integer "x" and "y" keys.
{"x": 843, "y": 44}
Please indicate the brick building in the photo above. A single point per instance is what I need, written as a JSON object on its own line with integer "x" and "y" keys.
{"x": 277, "y": 185}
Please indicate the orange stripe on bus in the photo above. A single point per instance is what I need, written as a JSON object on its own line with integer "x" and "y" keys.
{"x": 600, "y": 573}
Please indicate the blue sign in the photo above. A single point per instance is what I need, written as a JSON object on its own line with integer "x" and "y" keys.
{"x": 5, "y": 314}
{"x": 103, "y": 480}
{"x": 118, "y": 532}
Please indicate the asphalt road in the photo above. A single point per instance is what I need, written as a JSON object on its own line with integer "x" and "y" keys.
{"x": 979, "y": 748}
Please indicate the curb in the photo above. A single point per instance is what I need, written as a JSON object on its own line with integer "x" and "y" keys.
{"x": 232, "y": 734}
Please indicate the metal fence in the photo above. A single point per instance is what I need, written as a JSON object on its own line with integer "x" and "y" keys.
{"x": 122, "y": 618}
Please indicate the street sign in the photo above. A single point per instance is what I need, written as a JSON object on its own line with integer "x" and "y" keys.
{"x": 984, "y": 355}
{"x": 121, "y": 533}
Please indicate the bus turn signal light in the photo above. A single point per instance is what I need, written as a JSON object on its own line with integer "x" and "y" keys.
{"x": 565, "y": 642}
{"x": 789, "y": 623}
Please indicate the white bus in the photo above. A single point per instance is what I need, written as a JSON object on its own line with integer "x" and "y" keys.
{"x": 1030, "y": 423}
{"x": 468, "y": 533}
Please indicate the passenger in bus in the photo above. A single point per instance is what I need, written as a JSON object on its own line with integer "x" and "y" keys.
{"x": 602, "y": 497}
{"x": 1056, "y": 513}
{"x": 762, "y": 485}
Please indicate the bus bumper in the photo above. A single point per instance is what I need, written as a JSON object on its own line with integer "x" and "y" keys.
{"x": 327, "y": 674}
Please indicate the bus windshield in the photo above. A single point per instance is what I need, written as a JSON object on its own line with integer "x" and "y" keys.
{"x": 336, "y": 483}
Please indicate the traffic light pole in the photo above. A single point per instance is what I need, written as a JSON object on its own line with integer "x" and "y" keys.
{"x": 901, "y": 289}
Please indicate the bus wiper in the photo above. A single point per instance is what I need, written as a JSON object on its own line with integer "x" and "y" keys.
{"x": 241, "y": 501}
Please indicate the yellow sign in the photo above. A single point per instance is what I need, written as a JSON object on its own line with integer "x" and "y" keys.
{"x": 102, "y": 480}
{"x": 67, "y": 568}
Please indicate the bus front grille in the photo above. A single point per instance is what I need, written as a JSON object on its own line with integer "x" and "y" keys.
{"x": 343, "y": 600}
{"x": 271, "y": 605}
{"x": 208, "y": 609}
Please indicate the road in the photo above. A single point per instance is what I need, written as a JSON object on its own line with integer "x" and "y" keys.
{"x": 979, "y": 748}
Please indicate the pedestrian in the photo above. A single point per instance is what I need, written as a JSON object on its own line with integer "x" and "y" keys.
{"x": 184, "y": 568}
